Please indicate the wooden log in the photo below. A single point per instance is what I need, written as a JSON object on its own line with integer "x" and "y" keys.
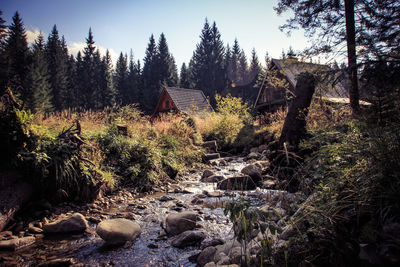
{"x": 207, "y": 157}
{"x": 211, "y": 146}
{"x": 294, "y": 127}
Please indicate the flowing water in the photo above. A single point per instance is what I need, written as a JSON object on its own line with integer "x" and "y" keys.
{"x": 151, "y": 248}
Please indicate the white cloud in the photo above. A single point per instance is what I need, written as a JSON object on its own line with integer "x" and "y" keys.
{"x": 74, "y": 48}
{"x": 32, "y": 36}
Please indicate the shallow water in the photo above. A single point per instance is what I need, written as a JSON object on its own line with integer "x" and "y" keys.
{"x": 89, "y": 249}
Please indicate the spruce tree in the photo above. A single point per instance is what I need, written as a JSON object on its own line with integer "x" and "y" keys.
{"x": 57, "y": 57}
{"x": 79, "y": 81}
{"x": 39, "y": 79}
{"x": 3, "y": 60}
{"x": 133, "y": 80}
{"x": 254, "y": 71}
{"x": 121, "y": 79}
{"x": 243, "y": 69}
{"x": 184, "y": 80}
{"x": 151, "y": 81}
{"x": 89, "y": 73}
{"x": 207, "y": 64}
{"x": 166, "y": 64}
{"x": 18, "y": 58}
{"x": 108, "y": 90}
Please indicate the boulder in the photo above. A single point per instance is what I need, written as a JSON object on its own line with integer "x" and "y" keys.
{"x": 242, "y": 182}
{"x": 17, "y": 243}
{"x": 212, "y": 179}
{"x": 206, "y": 256}
{"x": 207, "y": 173}
{"x": 212, "y": 243}
{"x": 180, "y": 222}
{"x": 253, "y": 171}
{"x": 73, "y": 223}
{"x": 254, "y": 155}
{"x": 118, "y": 231}
{"x": 188, "y": 238}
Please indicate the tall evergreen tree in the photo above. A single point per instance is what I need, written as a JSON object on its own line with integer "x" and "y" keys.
{"x": 79, "y": 81}
{"x": 39, "y": 79}
{"x": 3, "y": 59}
{"x": 18, "y": 58}
{"x": 243, "y": 69}
{"x": 207, "y": 64}
{"x": 121, "y": 79}
{"x": 233, "y": 65}
{"x": 133, "y": 80}
{"x": 107, "y": 86}
{"x": 184, "y": 80}
{"x": 166, "y": 64}
{"x": 89, "y": 73}
{"x": 57, "y": 58}
{"x": 150, "y": 76}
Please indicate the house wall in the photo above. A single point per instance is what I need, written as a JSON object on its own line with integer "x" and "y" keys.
{"x": 165, "y": 103}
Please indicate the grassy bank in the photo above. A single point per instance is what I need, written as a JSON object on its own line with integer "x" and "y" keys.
{"x": 74, "y": 155}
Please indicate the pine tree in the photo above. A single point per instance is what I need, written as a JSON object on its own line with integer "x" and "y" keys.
{"x": 71, "y": 97}
{"x": 57, "y": 57}
{"x": 89, "y": 73}
{"x": 79, "y": 81}
{"x": 151, "y": 81}
{"x": 3, "y": 59}
{"x": 166, "y": 63}
{"x": 133, "y": 80}
{"x": 254, "y": 72}
{"x": 233, "y": 67}
{"x": 207, "y": 64}
{"x": 243, "y": 69}
{"x": 39, "y": 79}
{"x": 121, "y": 79}
{"x": 184, "y": 80}
{"x": 108, "y": 83}
{"x": 18, "y": 58}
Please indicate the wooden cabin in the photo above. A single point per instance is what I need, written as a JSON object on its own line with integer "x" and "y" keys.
{"x": 332, "y": 83}
{"x": 186, "y": 101}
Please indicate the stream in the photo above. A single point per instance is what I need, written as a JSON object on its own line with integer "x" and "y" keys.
{"x": 151, "y": 248}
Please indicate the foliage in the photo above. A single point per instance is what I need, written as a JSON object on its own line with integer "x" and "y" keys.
{"x": 247, "y": 221}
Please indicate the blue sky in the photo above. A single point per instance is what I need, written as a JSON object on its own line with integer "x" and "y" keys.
{"x": 121, "y": 25}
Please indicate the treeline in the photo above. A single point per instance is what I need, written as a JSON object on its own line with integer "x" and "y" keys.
{"x": 47, "y": 78}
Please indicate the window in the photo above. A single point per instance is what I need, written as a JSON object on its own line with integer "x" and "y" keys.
{"x": 167, "y": 105}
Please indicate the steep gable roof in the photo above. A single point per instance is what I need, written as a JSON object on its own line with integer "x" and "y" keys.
{"x": 189, "y": 100}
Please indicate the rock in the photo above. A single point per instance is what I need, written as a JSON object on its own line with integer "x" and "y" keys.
{"x": 58, "y": 262}
{"x": 253, "y": 149}
{"x": 254, "y": 155}
{"x": 73, "y": 223}
{"x": 243, "y": 182}
{"x": 118, "y": 231}
{"x": 207, "y": 157}
{"x": 207, "y": 173}
{"x": 165, "y": 198}
{"x": 180, "y": 222}
{"x": 261, "y": 148}
{"x": 212, "y": 179}
{"x": 17, "y": 243}
{"x": 269, "y": 184}
{"x": 214, "y": 194}
{"x": 253, "y": 171}
{"x": 222, "y": 163}
{"x": 188, "y": 238}
{"x": 34, "y": 230}
{"x": 206, "y": 256}
{"x": 212, "y": 243}
{"x": 210, "y": 264}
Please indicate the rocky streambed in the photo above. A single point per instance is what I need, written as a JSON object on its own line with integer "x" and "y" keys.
{"x": 182, "y": 225}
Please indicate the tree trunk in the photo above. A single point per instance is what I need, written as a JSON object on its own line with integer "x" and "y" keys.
{"x": 294, "y": 127}
{"x": 351, "y": 56}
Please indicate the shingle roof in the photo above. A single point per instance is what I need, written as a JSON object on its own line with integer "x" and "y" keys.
{"x": 189, "y": 100}
{"x": 293, "y": 67}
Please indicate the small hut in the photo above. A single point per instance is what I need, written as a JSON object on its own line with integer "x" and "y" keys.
{"x": 186, "y": 101}
{"x": 270, "y": 97}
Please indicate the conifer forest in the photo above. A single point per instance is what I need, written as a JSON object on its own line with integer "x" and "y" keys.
{"x": 229, "y": 159}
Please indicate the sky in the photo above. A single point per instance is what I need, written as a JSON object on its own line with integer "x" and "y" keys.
{"x": 122, "y": 25}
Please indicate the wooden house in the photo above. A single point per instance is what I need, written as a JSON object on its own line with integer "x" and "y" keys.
{"x": 270, "y": 97}
{"x": 186, "y": 101}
